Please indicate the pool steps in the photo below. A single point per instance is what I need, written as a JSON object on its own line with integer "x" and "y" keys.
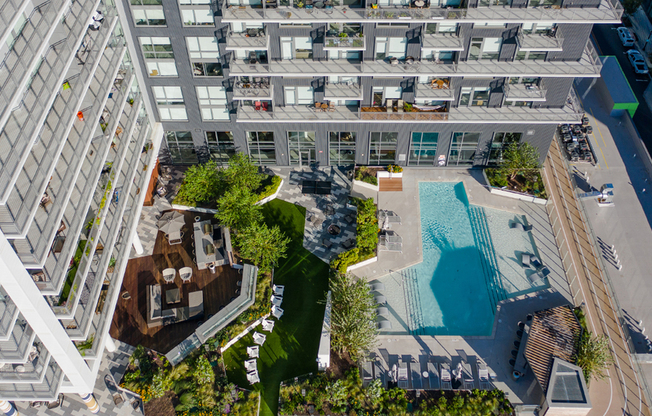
{"x": 412, "y": 301}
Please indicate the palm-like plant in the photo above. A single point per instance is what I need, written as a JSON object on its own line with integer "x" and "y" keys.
{"x": 593, "y": 356}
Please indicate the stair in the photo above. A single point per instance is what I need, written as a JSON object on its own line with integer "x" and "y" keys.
{"x": 412, "y": 301}
{"x": 390, "y": 185}
{"x": 484, "y": 242}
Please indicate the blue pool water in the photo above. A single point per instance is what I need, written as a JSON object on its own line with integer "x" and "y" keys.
{"x": 454, "y": 291}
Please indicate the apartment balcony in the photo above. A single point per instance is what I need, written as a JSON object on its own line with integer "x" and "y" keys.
{"x": 8, "y": 316}
{"x": 609, "y": 11}
{"x": 545, "y": 42}
{"x": 258, "y": 89}
{"x": 46, "y": 389}
{"x": 252, "y": 39}
{"x": 10, "y": 14}
{"x": 343, "y": 91}
{"x": 588, "y": 66}
{"x": 297, "y": 113}
{"x": 436, "y": 90}
{"x": 525, "y": 92}
{"x": 442, "y": 42}
{"x": 21, "y": 130}
{"x": 345, "y": 43}
{"x": 16, "y": 349}
{"x": 25, "y": 51}
{"x": 32, "y": 371}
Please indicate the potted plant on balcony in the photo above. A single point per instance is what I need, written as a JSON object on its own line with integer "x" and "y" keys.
{"x": 395, "y": 171}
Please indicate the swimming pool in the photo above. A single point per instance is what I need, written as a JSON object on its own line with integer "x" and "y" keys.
{"x": 470, "y": 263}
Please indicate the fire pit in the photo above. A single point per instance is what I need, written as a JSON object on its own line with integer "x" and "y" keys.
{"x": 334, "y": 229}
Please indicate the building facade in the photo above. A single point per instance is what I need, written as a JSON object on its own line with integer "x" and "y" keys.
{"x": 77, "y": 149}
{"x": 411, "y": 82}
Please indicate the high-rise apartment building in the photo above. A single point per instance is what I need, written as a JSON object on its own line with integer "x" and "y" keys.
{"x": 77, "y": 148}
{"x": 372, "y": 82}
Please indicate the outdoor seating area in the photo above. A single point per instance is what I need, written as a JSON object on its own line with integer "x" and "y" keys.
{"x": 169, "y": 283}
{"x": 540, "y": 272}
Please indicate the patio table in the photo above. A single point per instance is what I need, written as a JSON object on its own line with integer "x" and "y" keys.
{"x": 172, "y": 296}
{"x": 202, "y": 241}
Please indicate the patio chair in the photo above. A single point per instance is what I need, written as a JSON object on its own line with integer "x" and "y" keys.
{"x": 276, "y": 300}
{"x": 326, "y": 243}
{"x": 519, "y": 226}
{"x": 253, "y": 377}
{"x": 416, "y": 377}
{"x": 278, "y": 289}
{"x": 277, "y": 312}
{"x": 257, "y": 105}
{"x": 379, "y": 373}
{"x": 376, "y": 287}
{"x": 402, "y": 378}
{"x": 381, "y": 300}
{"x": 259, "y": 338}
{"x": 169, "y": 275}
{"x": 525, "y": 260}
{"x": 250, "y": 365}
{"x": 186, "y": 274}
{"x": 384, "y": 325}
{"x": 535, "y": 278}
{"x": 544, "y": 272}
{"x": 253, "y": 352}
{"x": 433, "y": 376}
{"x": 382, "y": 311}
{"x": 483, "y": 377}
{"x": 265, "y": 105}
{"x": 536, "y": 262}
{"x": 268, "y": 325}
{"x": 366, "y": 370}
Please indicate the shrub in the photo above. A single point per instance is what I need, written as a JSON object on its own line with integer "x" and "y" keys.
{"x": 203, "y": 371}
{"x": 345, "y": 259}
{"x": 394, "y": 169}
{"x": 367, "y": 175}
{"x": 270, "y": 189}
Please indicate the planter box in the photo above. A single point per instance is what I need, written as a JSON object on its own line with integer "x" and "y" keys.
{"x": 385, "y": 174}
{"x": 362, "y": 264}
{"x": 271, "y": 197}
{"x": 513, "y": 194}
{"x": 194, "y": 209}
{"x": 365, "y": 185}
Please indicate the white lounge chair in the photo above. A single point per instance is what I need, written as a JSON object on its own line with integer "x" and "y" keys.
{"x": 169, "y": 275}
{"x": 186, "y": 274}
{"x": 433, "y": 376}
{"x": 276, "y": 300}
{"x": 253, "y": 352}
{"x": 525, "y": 260}
{"x": 403, "y": 375}
{"x": 277, "y": 312}
{"x": 376, "y": 287}
{"x": 278, "y": 290}
{"x": 384, "y": 325}
{"x": 250, "y": 365}
{"x": 445, "y": 372}
{"x": 268, "y": 325}
{"x": 259, "y": 338}
{"x": 382, "y": 311}
{"x": 253, "y": 377}
{"x": 483, "y": 377}
{"x": 381, "y": 300}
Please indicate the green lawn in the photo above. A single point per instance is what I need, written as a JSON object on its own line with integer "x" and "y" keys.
{"x": 291, "y": 349}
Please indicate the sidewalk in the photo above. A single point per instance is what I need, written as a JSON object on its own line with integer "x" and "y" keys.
{"x": 623, "y": 161}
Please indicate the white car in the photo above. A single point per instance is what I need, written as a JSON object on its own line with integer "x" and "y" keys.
{"x": 625, "y": 36}
{"x": 637, "y": 61}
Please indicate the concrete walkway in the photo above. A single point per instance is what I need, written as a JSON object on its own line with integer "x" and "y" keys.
{"x": 622, "y": 392}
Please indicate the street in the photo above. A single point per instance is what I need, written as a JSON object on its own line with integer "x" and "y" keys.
{"x": 608, "y": 43}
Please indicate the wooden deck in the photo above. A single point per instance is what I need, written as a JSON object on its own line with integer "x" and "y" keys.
{"x": 129, "y": 324}
{"x": 390, "y": 185}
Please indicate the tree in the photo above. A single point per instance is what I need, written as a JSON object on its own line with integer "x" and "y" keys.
{"x": 520, "y": 159}
{"x": 593, "y": 356}
{"x": 353, "y": 313}
{"x": 241, "y": 173}
{"x": 201, "y": 184}
{"x": 262, "y": 245}
{"x": 631, "y": 6}
{"x": 236, "y": 209}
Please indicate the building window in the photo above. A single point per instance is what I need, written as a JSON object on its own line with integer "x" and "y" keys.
{"x": 524, "y": 80}
{"x": 423, "y": 149}
{"x": 193, "y": 2}
{"x": 444, "y": 27}
{"x": 181, "y": 147}
{"x": 159, "y": 57}
{"x": 169, "y": 101}
{"x": 500, "y": 143}
{"x": 489, "y": 25}
{"x": 301, "y": 145}
{"x": 382, "y": 148}
{"x": 518, "y": 104}
{"x": 204, "y": 55}
{"x": 197, "y": 17}
{"x": 220, "y": 146}
{"x": 299, "y": 95}
{"x": 296, "y": 48}
{"x": 390, "y": 47}
{"x": 485, "y": 48}
{"x": 488, "y": 3}
{"x": 463, "y": 149}
{"x": 342, "y": 148}
{"x": 298, "y": 25}
{"x": 381, "y": 94}
{"x": 474, "y": 97}
{"x": 261, "y": 147}
{"x": 530, "y": 55}
{"x": 212, "y": 103}
{"x": 146, "y": 2}
{"x": 148, "y": 16}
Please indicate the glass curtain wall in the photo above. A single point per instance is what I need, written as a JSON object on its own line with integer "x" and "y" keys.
{"x": 342, "y": 148}
{"x": 382, "y": 148}
{"x": 181, "y": 147}
{"x": 423, "y": 149}
{"x": 261, "y": 147}
{"x": 463, "y": 149}
{"x": 220, "y": 146}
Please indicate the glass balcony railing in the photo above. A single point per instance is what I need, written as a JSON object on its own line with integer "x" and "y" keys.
{"x": 345, "y": 42}
{"x": 252, "y": 39}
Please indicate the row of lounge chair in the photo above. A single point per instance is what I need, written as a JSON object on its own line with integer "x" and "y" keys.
{"x": 541, "y": 272}
{"x": 382, "y": 312}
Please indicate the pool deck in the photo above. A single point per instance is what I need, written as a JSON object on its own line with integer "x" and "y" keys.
{"x": 494, "y": 350}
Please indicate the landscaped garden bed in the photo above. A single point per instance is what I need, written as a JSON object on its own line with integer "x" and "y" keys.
{"x": 519, "y": 171}
{"x": 366, "y": 175}
{"x": 326, "y": 395}
{"x": 366, "y": 239}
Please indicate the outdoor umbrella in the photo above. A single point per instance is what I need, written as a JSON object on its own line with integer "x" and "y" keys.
{"x": 171, "y": 222}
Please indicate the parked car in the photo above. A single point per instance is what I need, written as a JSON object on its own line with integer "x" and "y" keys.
{"x": 637, "y": 61}
{"x": 625, "y": 36}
